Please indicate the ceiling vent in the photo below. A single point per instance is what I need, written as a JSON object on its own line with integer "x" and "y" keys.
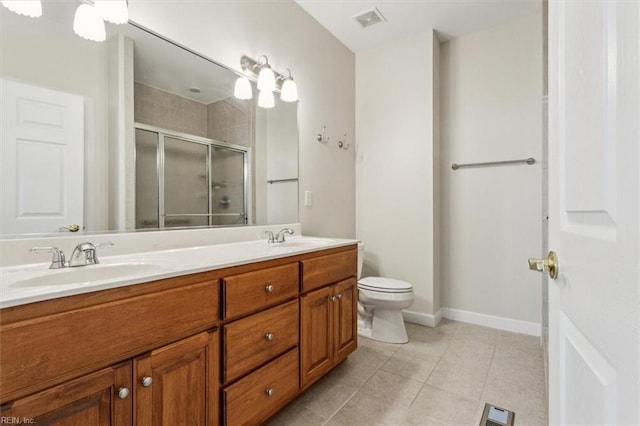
{"x": 370, "y": 17}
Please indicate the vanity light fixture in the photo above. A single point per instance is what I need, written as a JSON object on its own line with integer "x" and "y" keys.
{"x": 90, "y": 16}
{"x": 258, "y": 69}
{"x": 266, "y": 99}
{"x": 88, "y": 23}
{"x": 29, "y": 8}
{"x": 114, "y": 11}
{"x": 242, "y": 88}
{"x": 266, "y": 77}
{"x": 289, "y": 91}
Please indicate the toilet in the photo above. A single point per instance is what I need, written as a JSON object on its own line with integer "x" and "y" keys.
{"x": 380, "y": 305}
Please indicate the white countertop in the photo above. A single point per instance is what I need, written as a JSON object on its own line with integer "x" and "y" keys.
{"x": 36, "y": 282}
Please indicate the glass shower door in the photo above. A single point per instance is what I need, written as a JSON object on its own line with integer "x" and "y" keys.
{"x": 186, "y": 193}
{"x": 228, "y": 186}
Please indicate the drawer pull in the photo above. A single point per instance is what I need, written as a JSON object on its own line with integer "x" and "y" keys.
{"x": 269, "y": 391}
{"x": 123, "y": 393}
{"x": 269, "y": 336}
{"x": 269, "y": 288}
{"x": 147, "y": 381}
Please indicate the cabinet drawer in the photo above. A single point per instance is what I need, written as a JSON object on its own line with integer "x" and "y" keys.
{"x": 328, "y": 269}
{"x": 253, "y": 291}
{"x": 259, "y": 395}
{"x": 254, "y": 340}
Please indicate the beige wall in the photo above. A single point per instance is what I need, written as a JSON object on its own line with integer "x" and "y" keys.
{"x": 394, "y": 165}
{"x": 491, "y": 216}
{"x": 324, "y": 71}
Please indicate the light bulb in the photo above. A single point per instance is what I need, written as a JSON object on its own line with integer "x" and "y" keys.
{"x": 88, "y": 23}
{"x": 114, "y": 11}
{"x": 29, "y": 8}
{"x": 266, "y": 79}
{"x": 289, "y": 91}
{"x": 242, "y": 89}
{"x": 266, "y": 99}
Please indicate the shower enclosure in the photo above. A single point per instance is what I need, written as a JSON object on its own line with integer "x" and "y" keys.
{"x": 184, "y": 180}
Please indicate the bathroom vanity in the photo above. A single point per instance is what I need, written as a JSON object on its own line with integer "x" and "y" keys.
{"x": 231, "y": 344}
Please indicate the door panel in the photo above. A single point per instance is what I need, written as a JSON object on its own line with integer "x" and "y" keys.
{"x": 88, "y": 400}
{"x": 184, "y": 386}
{"x": 346, "y": 305}
{"x": 316, "y": 335}
{"x": 594, "y": 186}
{"x": 42, "y": 159}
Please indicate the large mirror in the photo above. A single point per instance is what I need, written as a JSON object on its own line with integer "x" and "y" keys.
{"x": 134, "y": 133}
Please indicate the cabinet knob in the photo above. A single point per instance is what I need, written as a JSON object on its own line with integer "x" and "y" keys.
{"x": 333, "y": 298}
{"x": 269, "y": 391}
{"x": 146, "y": 381}
{"x": 123, "y": 393}
{"x": 269, "y": 336}
{"x": 269, "y": 288}
{"x": 339, "y": 296}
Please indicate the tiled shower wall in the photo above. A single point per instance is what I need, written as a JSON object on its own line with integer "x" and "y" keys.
{"x": 168, "y": 111}
{"x": 227, "y": 120}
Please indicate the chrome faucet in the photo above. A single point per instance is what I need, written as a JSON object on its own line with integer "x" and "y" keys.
{"x": 279, "y": 238}
{"x": 85, "y": 254}
{"x": 58, "y": 260}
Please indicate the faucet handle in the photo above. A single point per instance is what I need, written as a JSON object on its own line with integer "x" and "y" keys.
{"x": 58, "y": 261}
{"x": 271, "y": 238}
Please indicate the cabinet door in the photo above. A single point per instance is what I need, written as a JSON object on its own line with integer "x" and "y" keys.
{"x": 316, "y": 337}
{"x": 101, "y": 398}
{"x": 344, "y": 318}
{"x": 178, "y": 384}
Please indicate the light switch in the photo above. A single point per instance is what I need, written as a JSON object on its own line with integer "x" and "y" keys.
{"x": 308, "y": 198}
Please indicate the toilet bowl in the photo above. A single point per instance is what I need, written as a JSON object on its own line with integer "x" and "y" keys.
{"x": 380, "y": 304}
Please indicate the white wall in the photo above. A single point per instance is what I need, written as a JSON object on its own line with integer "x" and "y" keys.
{"x": 491, "y": 217}
{"x": 322, "y": 67}
{"x": 394, "y": 164}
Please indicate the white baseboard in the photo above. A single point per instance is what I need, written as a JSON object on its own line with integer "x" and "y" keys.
{"x": 421, "y": 318}
{"x": 501, "y": 323}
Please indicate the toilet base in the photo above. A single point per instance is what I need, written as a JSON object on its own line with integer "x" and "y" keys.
{"x": 385, "y": 325}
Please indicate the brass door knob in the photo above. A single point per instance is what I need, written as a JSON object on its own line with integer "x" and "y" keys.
{"x": 550, "y": 265}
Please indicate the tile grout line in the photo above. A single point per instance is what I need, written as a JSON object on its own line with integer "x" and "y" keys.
{"x": 354, "y": 394}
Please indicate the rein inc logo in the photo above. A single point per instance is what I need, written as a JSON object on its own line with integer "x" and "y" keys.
{"x": 5, "y": 420}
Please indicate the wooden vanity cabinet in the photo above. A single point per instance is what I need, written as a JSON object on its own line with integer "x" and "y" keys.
{"x": 328, "y": 329}
{"x": 99, "y": 398}
{"x": 328, "y": 313}
{"x": 178, "y": 384}
{"x": 83, "y": 359}
{"x": 260, "y": 341}
{"x": 169, "y": 352}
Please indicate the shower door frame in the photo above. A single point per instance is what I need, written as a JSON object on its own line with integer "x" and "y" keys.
{"x": 210, "y": 143}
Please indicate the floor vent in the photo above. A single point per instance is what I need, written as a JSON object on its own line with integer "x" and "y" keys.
{"x": 496, "y": 416}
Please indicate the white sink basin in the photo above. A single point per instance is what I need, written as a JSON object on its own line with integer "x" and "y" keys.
{"x": 85, "y": 274}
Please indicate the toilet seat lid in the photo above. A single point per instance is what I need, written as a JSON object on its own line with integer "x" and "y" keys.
{"x": 387, "y": 285}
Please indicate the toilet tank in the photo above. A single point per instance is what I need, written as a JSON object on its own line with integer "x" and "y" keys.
{"x": 360, "y": 258}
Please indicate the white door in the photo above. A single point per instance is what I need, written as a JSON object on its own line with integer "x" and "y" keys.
{"x": 42, "y": 159}
{"x": 594, "y": 200}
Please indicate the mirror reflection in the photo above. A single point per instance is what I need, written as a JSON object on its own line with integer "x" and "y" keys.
{"x": 133, "y": 133}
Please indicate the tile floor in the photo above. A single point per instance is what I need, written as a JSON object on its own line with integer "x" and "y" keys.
{"x": 443, "y": 376}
